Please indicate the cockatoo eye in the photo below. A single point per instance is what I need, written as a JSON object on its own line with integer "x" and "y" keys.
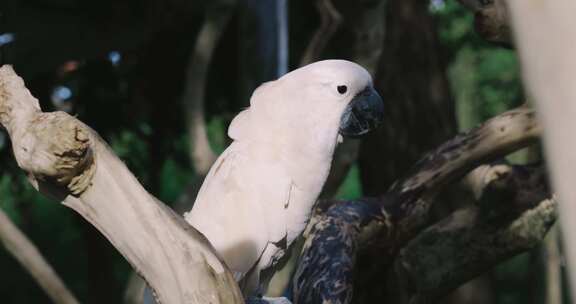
{"x": 342, "y": 89}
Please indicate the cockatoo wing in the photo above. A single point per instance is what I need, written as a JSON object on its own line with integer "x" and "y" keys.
{"x": 241, "y": 205}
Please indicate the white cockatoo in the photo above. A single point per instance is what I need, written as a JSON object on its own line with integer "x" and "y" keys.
{"x": 258, "y": 195}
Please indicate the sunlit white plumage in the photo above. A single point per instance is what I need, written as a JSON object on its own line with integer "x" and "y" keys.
{"x": 258, "y": 195}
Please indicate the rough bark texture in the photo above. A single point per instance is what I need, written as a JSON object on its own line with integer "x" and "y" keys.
{"x": 30, "y": 258}
{"x": 545, "y": 33}
{"x": 464, "y": 246}
{"x": 384, "y": 225}
{"x": 409, "y": 200}
{"x": 513, "y": 215}
{"x": 68, "y": 161}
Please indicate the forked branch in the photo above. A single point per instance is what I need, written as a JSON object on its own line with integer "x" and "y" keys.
{"x": 67, "y": 160}
{"x": 386, "y": 224}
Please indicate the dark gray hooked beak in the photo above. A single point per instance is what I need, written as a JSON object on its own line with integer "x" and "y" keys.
{"x": 364, "y": 113}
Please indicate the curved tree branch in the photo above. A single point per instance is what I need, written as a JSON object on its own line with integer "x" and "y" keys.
{"x": 194, "y": 96}
{"x": 330, "y": 22}
{"x": 67, "y": 160}
{"x": 494, "y": 139}
{"x": 514, "y": 215}
{"x": 387, "y": 223}
{"x": 202, "y": 156}
{"x": 30, "y": 258}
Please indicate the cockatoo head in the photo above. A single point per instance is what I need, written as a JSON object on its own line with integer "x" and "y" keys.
{"x": 337, "y": 87}
{"x": 318, "y": 104}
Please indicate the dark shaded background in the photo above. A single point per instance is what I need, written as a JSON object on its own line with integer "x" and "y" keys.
{"x": 120, "y": 67}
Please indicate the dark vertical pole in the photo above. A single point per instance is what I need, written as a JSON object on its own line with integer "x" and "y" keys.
{"x": 282, "y": 19}
{"x": 263, "y": 43}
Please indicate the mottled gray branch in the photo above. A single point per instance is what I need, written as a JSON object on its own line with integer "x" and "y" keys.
{"x": 330, "y": 20}
{"x": 409, "y": 200}
{"x": 403, "y": 211}
{"x": 513, "y": 216}
{"x": 326, "y": 267}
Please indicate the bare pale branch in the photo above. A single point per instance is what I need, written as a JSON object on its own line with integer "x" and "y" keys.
{"x": 67, "y": 160}
{"x": 32, "y": 260}
{"x": 514, "y": 214}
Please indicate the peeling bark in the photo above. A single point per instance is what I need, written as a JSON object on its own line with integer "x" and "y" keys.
{"x": 464, "y": 246}
{"x": 497, "y": 137}
{"x": 514, "y": 214}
